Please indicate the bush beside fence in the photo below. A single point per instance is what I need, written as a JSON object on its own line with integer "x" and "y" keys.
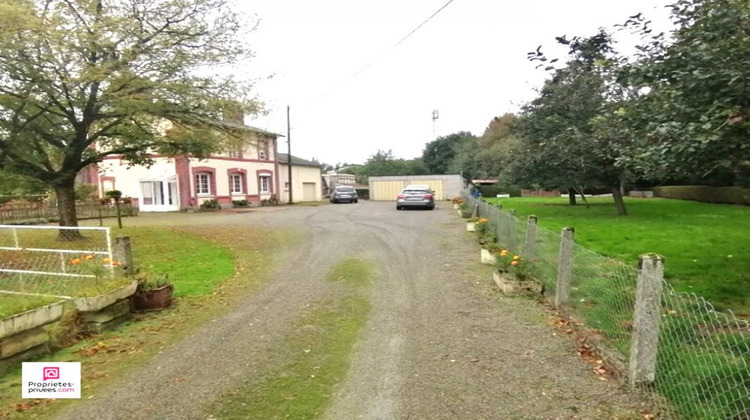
{"x": 673, "y": 346}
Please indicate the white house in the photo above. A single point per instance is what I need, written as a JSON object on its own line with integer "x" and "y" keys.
{"x": 307, "y": 181}
{"x": 172, "y": 184}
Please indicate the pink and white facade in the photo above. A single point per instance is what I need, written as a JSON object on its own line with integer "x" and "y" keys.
{"x": 175, "y": 183}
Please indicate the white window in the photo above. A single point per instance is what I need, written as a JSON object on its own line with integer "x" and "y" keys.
{"x": 202, "y": 184}
{"x": 235, "y": 153}
{"x": 263, "y": 149}
{"x": 265, "y": 184}
{"x": 235, "y": 181}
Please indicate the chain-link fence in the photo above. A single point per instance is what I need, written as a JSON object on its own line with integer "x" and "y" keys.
{"x": 55, "y": 261}
{"x": 700, "y": 358}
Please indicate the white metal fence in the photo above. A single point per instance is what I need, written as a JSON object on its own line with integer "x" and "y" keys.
{"x": 53, "y": 260}
{"x": 701, "y": 357}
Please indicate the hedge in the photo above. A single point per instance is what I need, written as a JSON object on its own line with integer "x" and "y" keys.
{"x": 706, "y": 194}
{"x": 363, "y": 193}
{"x": 492, "y": 191}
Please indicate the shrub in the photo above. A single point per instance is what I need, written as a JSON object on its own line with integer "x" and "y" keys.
{"x": 363, "y": 193}
{"x": 210, "y": 205}
{"x": 240, "y": 203}
{"x": 706, "y": 194}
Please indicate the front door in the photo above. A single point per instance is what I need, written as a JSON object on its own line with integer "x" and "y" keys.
{"x": 159, "y": 196}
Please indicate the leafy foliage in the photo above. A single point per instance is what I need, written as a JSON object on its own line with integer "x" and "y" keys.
{"x": 88, "y": 79}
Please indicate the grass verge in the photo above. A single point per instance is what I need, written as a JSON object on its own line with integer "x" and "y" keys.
{"x": 314, "y": 358}
{"x": 110, "y": 355}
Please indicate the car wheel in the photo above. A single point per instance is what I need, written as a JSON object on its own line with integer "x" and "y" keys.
{"x": 356, "y": 201}
{"x": 398, "y": 207}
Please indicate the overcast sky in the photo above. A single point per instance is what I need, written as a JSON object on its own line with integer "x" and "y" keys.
{"x": 468, "y": 62}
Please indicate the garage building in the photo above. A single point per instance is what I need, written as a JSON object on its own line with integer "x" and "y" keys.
{"x": 386, "y": 188}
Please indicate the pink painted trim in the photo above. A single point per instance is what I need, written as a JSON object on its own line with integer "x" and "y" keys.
{"x": 265, "y": 172}
{"x": 243, "y": 179}
{"x": 211, "y": 179}
{"x": 118, "y": 157}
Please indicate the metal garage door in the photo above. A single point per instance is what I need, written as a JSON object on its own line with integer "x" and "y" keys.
{"x": 308, "y": 191}
{"x": 388, "y": 190}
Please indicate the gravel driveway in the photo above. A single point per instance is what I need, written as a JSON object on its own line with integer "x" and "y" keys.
{"x": 440, "y": 343}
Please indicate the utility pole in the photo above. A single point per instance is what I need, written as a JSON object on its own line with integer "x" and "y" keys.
{"x": 434, "y": 118}
{"x": 289, "y": 152}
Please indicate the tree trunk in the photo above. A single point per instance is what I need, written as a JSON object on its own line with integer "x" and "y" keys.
{"x": 572, "y": 196}
{"x": 66, "y": 209}
{"x": 583, "y": 197}
{"x": 619, "y": 203}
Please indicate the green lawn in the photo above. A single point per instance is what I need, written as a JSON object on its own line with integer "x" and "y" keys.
{"x": 194, "y": 265}
{"x": 707, "y": 246}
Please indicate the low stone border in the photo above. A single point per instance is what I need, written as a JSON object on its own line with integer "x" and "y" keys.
{"x": 103, "y": 312}
{"x": 24, "y": 335}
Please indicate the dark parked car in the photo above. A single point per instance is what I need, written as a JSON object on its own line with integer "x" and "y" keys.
{"x": 416, "y": 196}
{"x": 342, "y": 194}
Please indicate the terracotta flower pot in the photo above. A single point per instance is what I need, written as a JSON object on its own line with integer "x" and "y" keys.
{"x": 154, "y": 299}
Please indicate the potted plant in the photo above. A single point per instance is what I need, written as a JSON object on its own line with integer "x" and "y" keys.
{"x": 514, "y": 275}
{"x": 457, "y": 201}
{"x": 153, "y": 294}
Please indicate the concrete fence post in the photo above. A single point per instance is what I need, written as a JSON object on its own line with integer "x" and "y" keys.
{"x": 564, "y": 266}
{"x": 530, "y": 248}
{"x": 475, "y": 213}
{"x": 511, "y": 219}
{"x": 123, "y": 252}
{"x": 644, "y": 345}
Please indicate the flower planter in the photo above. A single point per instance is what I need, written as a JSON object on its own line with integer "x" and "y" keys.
{"x": 511, "y": 286}
{"x": 154, "y": 299}
{"x": 487, "y": 257}
{"x": 471, "y": 226}
{"x": 23, "y": 336}
{"x": 106, "y": 311}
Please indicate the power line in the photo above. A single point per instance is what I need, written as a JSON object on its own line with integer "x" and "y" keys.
{"x": 378, "y": 58}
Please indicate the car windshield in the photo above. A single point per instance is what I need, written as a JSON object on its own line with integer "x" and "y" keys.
{"x": 345, "y": 189}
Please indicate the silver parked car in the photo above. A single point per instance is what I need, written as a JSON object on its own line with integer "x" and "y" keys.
{"x": 344, "y": 194}
{"x": 416, "y": 196}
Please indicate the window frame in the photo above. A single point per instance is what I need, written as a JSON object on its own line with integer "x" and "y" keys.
{"x": 268, "y": 189}
{"x": 198, "y": 184}
{"x": 238, "y": 178}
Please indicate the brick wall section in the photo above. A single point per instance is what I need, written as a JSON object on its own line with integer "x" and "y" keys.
{"x": 182, "y": 169}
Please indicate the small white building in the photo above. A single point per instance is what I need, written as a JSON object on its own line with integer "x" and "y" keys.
{"x": 307, "y": 182}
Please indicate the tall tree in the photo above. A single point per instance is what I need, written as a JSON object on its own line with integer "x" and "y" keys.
{"x": 439, "y": 153}
{"x": 562, "y": 145}
{"x": 83, "y": 80}
{"x": 694, "y": 114}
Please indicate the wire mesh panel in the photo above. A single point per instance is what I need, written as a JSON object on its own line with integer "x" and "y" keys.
{"x": 602, "y": 293}
{"x": 703, "y": 362}
{"x": 57, "y": 261}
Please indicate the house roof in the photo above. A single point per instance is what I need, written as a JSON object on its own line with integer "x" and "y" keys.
{"x": 250, "y": 128}
{"x": 284, "y": 158}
